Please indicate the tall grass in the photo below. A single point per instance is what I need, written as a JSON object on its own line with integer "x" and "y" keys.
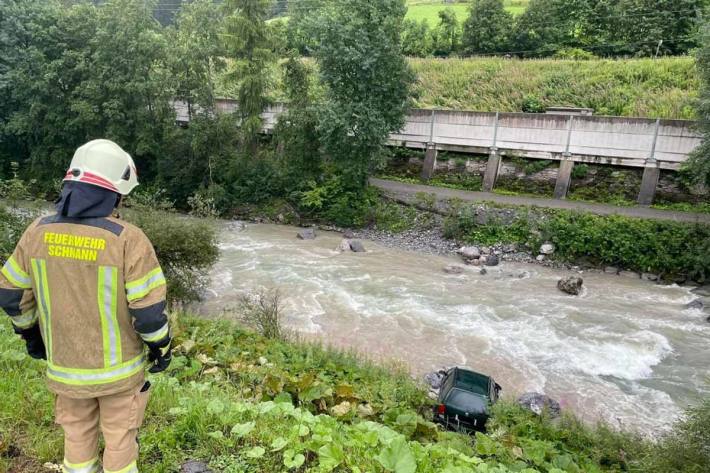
{"x": 420, "y": 10}
{"x": 661, "y": 88}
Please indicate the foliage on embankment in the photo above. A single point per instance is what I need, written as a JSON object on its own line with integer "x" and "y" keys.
{"x": 219, "y": 403}
{"x": 674, "y": 250}
{"x": 662, "y": 88}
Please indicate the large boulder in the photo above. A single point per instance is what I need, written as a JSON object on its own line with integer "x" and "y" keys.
{"x": 435, "y": 378}
{"x": 344, "y": 245}
{"x": 307, "y": 234}
{"x": 696, "y": 304}
{"x": 492, "y": 260}
{"x": 539, "y": 403}
{"x": 571, "y": 285}
{"x": 547, "y": 249}
{"x": 470, "y": 252}
{"x": 357, "y": 246}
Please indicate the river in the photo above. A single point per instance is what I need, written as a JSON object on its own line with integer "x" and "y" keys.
{"x": 626, "y": 350}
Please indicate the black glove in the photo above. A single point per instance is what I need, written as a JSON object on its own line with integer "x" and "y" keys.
{"x": 159, "y": 356}
{"x": 35, "y": 344}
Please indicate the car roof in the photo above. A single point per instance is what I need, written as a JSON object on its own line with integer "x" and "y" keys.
{"x": 471, "y": 381}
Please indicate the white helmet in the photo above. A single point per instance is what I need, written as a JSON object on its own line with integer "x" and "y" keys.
{"x": 103, "y": 163}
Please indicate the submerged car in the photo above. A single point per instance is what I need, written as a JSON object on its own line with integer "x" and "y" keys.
{"x": 465, "y": 398}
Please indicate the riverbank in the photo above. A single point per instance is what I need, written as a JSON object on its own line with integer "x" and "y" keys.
{"x": 240, "y": 402}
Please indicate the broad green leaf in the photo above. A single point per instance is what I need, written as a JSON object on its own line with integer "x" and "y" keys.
{"x": 256, "y": 452}
{"x": 330, "y": 456}
{"x": 216, "y": 435}
{"x": 293, "y": 459}
{"x": 278, "y": 444}
{"x": 397, "y": 457}
{"x": 240, "y": 430}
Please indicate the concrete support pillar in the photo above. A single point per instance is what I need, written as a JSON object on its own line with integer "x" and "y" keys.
{"x": 492, "y": 169}
{"x": 564, "y": 177}
{"x": 429, "y": 161}
{"x": 651, "y": 174}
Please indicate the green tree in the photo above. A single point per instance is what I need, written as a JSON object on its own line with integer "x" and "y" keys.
{"x": 249, "y": 41}
{"x": 80, "y": 73}
{"x": 698, "y": 166}
{"x": 416, "y": 38}
{"x": 447, "y": 35}
{"x": 641, "y": 24}
{"x": 487, "y": 28}
{"x": 196, "y": 54}
{"x": 547, "y": 26}
{"x": 368, "y": 82}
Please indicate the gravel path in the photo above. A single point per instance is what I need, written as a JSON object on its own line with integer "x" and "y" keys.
{"x": 399, "y": 189}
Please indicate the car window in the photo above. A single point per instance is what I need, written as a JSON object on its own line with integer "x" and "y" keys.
{"x": 466, "y": 401}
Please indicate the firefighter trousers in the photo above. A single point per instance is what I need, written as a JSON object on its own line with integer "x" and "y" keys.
{"x": 118, "y": 415}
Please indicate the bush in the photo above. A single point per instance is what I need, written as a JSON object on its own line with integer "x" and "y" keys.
{"x": 186, "y": 247}
{"x": 687, "y": 447}
{"x": 672, "y": 249}
{"x": 262, "y": 311}
{"x": 12, "y": 225}
{"x": 576, "y": 54}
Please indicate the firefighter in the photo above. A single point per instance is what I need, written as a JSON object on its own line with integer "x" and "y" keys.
{"x": 86, "y": 293}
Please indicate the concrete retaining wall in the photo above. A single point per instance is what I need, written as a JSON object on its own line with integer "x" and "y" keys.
{"x": 653, "y": 145}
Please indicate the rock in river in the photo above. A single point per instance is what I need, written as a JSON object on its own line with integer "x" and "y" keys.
{"x": 307, "y": 234}
{"x": 357, "y": 246}
{"x": 538, "y": 403}
{"x": 344, "y": 245}
{"x": 696, "y": 304}
{"x": 453, "y": 269}
{"x": 570, "y": 285}
{"x": 492, "y": 260}
{"x": 470, "y": 252}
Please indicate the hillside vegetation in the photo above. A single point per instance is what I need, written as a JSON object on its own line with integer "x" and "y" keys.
{"x": 420, "y": 10}
{"x": 661, "y": 88}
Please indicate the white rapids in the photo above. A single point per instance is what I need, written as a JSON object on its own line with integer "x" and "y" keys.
{"x": 625, "y": 351}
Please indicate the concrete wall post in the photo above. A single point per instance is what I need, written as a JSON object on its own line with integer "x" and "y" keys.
{"x": 649, "y": 182}
{"x": 564, "y": 178}
{"x": 651, "y": 173}
{"x": 492, "y": 170}
{"x": 429, "y": 161}
{"x": 431, "y": 152}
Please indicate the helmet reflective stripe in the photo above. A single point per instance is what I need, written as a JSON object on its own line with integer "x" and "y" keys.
{"x": 92, "y": 466}
{"x": 140, "y": 288}
{"x": 39, "y": 268}
{"x": 104, "y": 164}
{"x": 107, "y": 298}
{"x": 16, "y": 275}
{"x": 89, "y": 377}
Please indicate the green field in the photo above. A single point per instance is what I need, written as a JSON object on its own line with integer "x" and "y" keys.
{"x": 662, "y": 88}
{"x": 420, "y": 10}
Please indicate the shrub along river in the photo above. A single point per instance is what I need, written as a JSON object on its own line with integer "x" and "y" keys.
{"x": 626, "y": 350}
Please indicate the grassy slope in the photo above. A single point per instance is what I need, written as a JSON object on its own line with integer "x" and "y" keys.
{"x": 664, "y": 88}
{"x": 420, "y": 10}
{"x": 216, "y": 406}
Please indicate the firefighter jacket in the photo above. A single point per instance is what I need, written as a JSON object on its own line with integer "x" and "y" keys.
{"x": 96, "y": 290}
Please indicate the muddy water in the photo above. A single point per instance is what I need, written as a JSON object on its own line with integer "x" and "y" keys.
{"x": 625, "y": 350}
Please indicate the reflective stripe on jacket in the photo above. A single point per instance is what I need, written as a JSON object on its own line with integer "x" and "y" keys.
{"x": 96, "y": 289}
